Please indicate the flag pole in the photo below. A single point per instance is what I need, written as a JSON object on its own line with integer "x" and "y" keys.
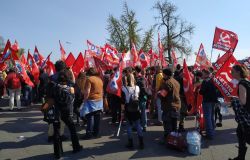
{"x": 211, "y": 54}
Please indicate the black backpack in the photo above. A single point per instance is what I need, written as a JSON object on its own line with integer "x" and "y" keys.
{"x": 133, "y": 104}
{"x": 62, "y": 96}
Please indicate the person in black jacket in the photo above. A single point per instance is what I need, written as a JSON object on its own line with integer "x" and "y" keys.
{"x": 241, "y": 73}
{"x": 208, "y": 91}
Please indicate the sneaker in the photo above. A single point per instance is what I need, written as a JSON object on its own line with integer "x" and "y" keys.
{"x": 218, "y": 124}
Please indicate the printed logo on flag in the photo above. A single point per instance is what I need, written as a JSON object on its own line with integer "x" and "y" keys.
{"x": 225, "y": 40}
{"x": 224, "y": 80}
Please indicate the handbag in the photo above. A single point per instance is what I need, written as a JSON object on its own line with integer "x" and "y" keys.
{"x": 50, "y": 115}
{"x": 176, "y": 141}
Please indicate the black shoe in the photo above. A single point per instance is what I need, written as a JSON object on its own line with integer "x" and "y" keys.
{"x": 141, "y": 143}
{"x": 218, "y": 124}
{"x": 87, "y": 136}
{"x": 241, "y": 154}
{"x": 50, "y": 139}
{"x": 130, "y": 144}
{"x": 78, "y": 149}
{"x": 144, "y": 129}
{"x": 209, "y": 137}
{"x": 96, "y": 135}
{"x": 181, "y": 128}
{"x": 64, "y": 138}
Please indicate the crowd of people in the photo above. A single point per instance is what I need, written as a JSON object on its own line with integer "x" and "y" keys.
{"x": 153, "y": 93}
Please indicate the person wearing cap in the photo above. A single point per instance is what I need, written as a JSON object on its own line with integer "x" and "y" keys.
{"x": 170, "y": 102}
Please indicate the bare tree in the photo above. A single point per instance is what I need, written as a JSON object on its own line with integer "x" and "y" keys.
{"x": 177, "y": 31}
{"x": 125, "y": 31}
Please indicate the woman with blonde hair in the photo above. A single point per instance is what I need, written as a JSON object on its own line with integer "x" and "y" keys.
{"x": 130, "y": 106}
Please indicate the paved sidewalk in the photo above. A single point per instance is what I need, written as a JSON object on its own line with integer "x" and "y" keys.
{"x": 33, "y": 145}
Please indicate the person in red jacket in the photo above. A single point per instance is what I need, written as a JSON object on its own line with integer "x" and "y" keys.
{"x": 13, "y": 84}
{"x": 1, "y": 85}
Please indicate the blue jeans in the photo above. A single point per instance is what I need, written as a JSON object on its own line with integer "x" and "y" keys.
{"x": 159, "y": 111}
{"x": 27, "y": 95}
{"x": 135, "y": 124}
{"x": 208, "y": 110}
{"x": 93, "y": 123}
{"x": 143, "y": 105}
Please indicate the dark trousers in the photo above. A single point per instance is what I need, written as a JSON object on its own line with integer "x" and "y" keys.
{"x": 217, "y": 113}
{"x": 241, "y": 137}
{"x": 169, "y": 121}
{"x": 35, "y": 94}
{"x": 183, "y": 111}
{"x": 67, "y": 119}
{"x": 27, "y": 95}
{"x": 93, "y": 123}
{"x": 115, "y": 106}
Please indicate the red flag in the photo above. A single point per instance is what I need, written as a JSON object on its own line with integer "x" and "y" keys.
{"x": 21, "y": 70}
{"x": 144, "y": 59}
{"x": 188, "y": 85}
{"x": 217, "y": 65}
{"x": 14, "y": 49}
{"x": 224, "y": 80}
{"x": 63, "y": 53}
{"x": 50, "y": 68}
{"x": 115, "y": 84}
{"x": 70, "y": 60}
{"x": 201, "y": 61}
{"x": 225, "y": 40}
{"x": 173, "y": 55}
{"x": 33, "y": 67}
{"x": 44, "y": 63}
{"x": 101, "y": 66}
{"x": 161, "y": 50}
{"x": 3, "y": 66}
{"x": 6, "y": 52}
{"x": 23, "y": 59}
{"x": 38, "y": 57}
{"x": 95, "y": 50}
{"x": 78, "y": 65}
{"x": 134, "y": 54}
{"x": 110, "y": 54}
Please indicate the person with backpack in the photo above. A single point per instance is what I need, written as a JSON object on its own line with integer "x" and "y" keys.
{"x": 141, "y": 82}
{"x": 130, "y": 107}
{"x": 63, "y": 97}
{"x": 13, "y": 84}
{"x": 241, "y": 106}
{"x": 59, "y": 66}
